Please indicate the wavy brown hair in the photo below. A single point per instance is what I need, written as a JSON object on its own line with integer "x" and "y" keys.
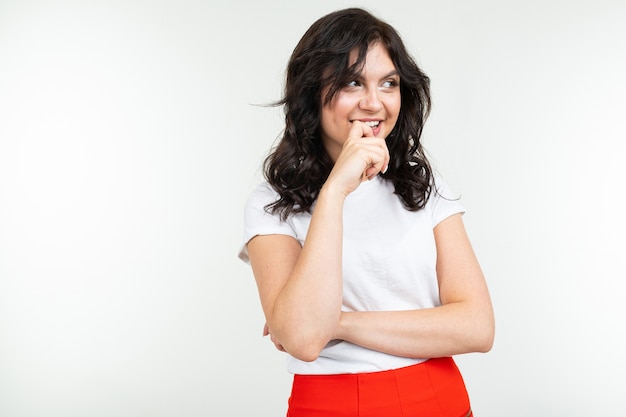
{"x": 299, "y": 165}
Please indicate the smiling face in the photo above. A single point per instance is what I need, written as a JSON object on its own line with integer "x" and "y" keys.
{"x": 372, "y": 98}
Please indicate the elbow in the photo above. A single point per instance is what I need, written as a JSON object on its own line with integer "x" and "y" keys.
{"x": 305, "y": 350}
{"x": 302, "y": 341}
{"x": 477, "y": 335}
{"x": 477, "y": 343}
{"x": 305, "y": 346}
{"x": 485, "y": 344}
{"x": 306, "y": 355}
{"x": 485, "y": 337}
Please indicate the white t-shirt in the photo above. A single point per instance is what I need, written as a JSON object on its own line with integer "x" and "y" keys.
{"x": 389, "y": 262}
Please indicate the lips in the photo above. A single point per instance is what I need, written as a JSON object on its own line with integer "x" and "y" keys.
{"x": 375, "y": 125}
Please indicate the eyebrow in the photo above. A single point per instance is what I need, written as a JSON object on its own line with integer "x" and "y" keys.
{"x": 391, "y": 74}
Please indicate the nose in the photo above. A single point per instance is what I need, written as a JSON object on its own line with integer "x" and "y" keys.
{"x": 370, "y": 101}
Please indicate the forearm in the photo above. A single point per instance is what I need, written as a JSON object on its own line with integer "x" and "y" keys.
{"x": 303, "y": 299}
{"x": 447, "y": 330}
{"x": 307, "y": 309}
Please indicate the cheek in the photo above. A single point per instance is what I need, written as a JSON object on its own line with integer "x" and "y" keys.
{"x": 394, "y": 104}
{"x": 334, "y": 114}
{"x": 340, "y": 108}
{"x": 328, "y": 125}
{"x": 393, "y": 110}
{"x": 325, "y": 119}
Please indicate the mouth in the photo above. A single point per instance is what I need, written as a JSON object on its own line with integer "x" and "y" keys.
{"x": 373, "y": 124}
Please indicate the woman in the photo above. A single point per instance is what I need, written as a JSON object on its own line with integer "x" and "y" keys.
{"x": 365, "y": 273}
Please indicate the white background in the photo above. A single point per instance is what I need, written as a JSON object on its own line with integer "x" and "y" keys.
{"x": 130, "y": 138}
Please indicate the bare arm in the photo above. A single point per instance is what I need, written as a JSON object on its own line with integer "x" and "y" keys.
{"x": 463, "y": 323}
{"x": 301, "y": 287}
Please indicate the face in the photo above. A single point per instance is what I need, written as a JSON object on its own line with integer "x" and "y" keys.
{"x": 373, "y": 98}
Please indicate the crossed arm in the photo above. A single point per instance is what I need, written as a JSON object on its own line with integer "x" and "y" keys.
{"x": 301, "y": 293}
{"x": 300, "y": 287}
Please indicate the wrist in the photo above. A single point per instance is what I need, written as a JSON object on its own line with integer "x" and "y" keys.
{"x": 340, "y": 329}
{"x": 332, "y": 193}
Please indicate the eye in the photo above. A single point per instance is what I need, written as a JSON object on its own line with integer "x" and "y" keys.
{"x": 353, "y": 83}
{"x": 390, "y": 83}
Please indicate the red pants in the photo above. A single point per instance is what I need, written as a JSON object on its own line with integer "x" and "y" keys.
{"x": 433, "y": 388}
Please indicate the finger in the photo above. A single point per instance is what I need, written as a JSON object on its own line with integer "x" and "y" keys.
{"x": 379, "y": 162}
{"x": 277, "y": 344}
{"x": 371, "y": 172}
{"x": 360, "y": 130}
{"x": 367, "y": 131}
{"x": 385, "y": 166}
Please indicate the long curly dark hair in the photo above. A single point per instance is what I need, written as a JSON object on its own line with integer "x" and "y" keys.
{"x": 299, "y": 165}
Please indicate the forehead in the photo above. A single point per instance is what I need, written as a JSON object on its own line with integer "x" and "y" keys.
{"x": 376, "y": 55}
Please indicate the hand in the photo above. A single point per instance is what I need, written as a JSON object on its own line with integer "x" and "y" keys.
{"x": 362, "y": 157}
{"x": 266, "y": 331}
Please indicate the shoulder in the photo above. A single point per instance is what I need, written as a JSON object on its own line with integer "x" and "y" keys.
{"x": 262, "y": 193}
{"x": 443, "y": 201}
{"x": 258, "y": 220}
{"x": 441, "y": 188}
{"x": 259, "y": 198}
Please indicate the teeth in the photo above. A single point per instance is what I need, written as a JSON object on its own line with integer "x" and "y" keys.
{"x": 372, "y": 124}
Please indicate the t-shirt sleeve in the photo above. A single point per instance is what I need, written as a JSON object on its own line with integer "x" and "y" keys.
{"x": 443, "y": 201}
{"x": 258, "y": 221}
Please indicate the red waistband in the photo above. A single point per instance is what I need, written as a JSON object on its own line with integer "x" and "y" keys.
{"x": 434, "y": 388}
